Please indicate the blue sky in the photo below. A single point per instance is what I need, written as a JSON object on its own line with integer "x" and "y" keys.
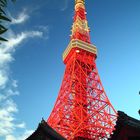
{"x": 31, "y": 66}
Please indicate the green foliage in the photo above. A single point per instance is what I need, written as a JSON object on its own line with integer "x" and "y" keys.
{"x": 3, "y": 18}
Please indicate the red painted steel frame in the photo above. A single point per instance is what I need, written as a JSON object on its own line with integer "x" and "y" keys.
{"x": 82, "y": 110}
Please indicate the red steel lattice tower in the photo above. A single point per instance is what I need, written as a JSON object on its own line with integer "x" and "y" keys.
{"x": 82, "y": 110}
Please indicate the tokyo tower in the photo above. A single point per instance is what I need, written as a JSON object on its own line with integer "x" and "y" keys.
{"x": 82, "y": 110}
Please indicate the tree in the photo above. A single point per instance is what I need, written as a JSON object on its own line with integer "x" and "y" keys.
{"x": 3, "y": 18}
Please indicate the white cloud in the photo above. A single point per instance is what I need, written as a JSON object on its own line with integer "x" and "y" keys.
{"x": 8, "y": 93}
{"x": 10, "y": 137}
{"x": 21, "y": 125}
{"x": 25, "y": 135}
{"x": 21, "y": 18}
{"x": 4, "y": 57}
{"x": 65, "y": 6}
{"x": 45, "y": 30}
{"x": 8, "y": 48}
{"x": 3, "y": 79}
{"x": 15, "y": 83}
{"x": 8, "y": 87}
{"x": 18, "y": 39}
{"x": 8, "y": 108}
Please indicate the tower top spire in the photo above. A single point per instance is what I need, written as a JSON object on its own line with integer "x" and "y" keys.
{"x": 80, "y": 29}
{"x": 79, "y": 4}
{"x": 80, "y": 33}
{"x": 80, "y": 1}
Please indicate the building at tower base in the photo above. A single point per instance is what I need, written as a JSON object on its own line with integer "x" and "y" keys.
{"x": 127, "y": 128}
{"x": 45, "y": 132}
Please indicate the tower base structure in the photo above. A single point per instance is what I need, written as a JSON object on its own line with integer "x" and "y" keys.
{"x": 82, "y": 109}
{"x": 127, "y": 128}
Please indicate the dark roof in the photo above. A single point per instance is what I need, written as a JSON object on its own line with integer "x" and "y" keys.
{"x": 127, "y": 128}
{"x": 45, "y": 132}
